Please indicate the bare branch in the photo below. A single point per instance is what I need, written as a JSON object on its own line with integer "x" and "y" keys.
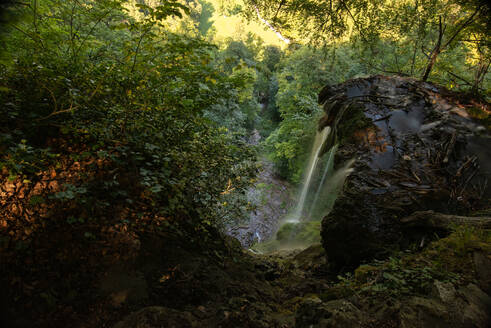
{"x": 466, "y": 23}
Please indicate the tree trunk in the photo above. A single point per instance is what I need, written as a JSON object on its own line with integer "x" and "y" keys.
{"x": 480, "y": 73}
{"x": 432, "y": 219}
{"x": 439, "y": 47}
{"x": 436, "y": 51}
{"x": 431, "y": 62}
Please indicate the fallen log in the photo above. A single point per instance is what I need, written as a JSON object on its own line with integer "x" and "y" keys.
{"x": 436, "y": 220}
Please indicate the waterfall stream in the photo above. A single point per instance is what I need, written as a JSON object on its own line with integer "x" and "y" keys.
{"x": 319, "y": 190}
{"x": 327, "y": 171}
{"x": 320, "y": 137}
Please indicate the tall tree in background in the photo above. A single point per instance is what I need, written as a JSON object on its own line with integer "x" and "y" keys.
{"x": 431, "y": 26}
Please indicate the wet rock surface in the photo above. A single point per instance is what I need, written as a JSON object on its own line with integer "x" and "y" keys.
{"x": 416, "y": 149}
{"x": 270, "y": 199}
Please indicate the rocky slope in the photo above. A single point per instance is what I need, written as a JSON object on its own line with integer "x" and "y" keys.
{"x": 293, "y": 289}
{"x": 270, "y": 199}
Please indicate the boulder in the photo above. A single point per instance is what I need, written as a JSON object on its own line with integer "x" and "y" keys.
{"x": 445, "y": 291}
{"x": 158, "y": 316}
{"x": 447, "y": 306}
{"x": 467, "y": 306}
{"x": 333, "y": 314}
{"x": 482, "y": 262}
{"x": 416, "y": 149}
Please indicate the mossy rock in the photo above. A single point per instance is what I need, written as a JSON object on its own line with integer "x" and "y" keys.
{"x": 355, "y": 120}
{"x": 335, "y": 293}
{"x": 366, "y": 272}
{"x": 305, "y": 233}
{"x": 292, "y": 236}
{"x": 287, "y": 232}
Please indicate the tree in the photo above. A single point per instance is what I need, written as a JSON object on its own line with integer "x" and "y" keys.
{"x": 446, "y": 24}
{"x": 459, "y": 26}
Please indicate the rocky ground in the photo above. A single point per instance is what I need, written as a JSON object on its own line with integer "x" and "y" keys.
{"x": 296, "y": 289}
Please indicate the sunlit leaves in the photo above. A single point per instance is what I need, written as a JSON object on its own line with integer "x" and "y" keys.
{"x": 129, "y": 93}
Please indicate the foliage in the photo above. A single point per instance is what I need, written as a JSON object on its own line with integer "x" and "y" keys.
{"x": 396, "y": 37}
{"x": 302, "y": 73}
{"x": 448, "y": 259}
{"x": 106, "y": 134}
{"x": 137, "y": 100}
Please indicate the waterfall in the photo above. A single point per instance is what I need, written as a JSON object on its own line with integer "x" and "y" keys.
{"x": 258, "y": 237}
{"x": 320, "y": 137}
{"x": 327, "y": 171}
{"x": 329, "y": 190}
{"x": 296, "y": 232}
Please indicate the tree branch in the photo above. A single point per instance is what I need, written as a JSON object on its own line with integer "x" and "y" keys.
{"x": 138, "y": 48}
{"x": 464, "y": 25}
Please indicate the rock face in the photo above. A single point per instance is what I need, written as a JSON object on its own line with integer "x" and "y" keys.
{"x": 416, "y": 149}
{"x": 271, "y": 200}
{"x": 468, "y": 306}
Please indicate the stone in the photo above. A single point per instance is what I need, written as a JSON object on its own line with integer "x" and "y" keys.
{"x": 482, "y": 262}
{"x": 333, "y": 314}
{"x": 445, "y": 291}
{"x": 476, "y": 310}
{"x": 419, "y": 312}
{"x": 158, "y": 316}
{"x": 412, "y": 154}
{"x": 312, "y": 258}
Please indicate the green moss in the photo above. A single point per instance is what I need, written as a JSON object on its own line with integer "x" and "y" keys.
{"x": 447, "y": 259}
{"x": 335, "y": 293}
{"x": 454, "y": 253}
{"x": 365, "y": 272}
{"x": 353, "y": 120}
{"x": 301, "y": 233}
{"x": 291, "y": 236}
{"x": 286, "y": 232}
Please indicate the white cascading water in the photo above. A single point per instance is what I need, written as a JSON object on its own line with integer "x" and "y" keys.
{"x": 331, "y": 188}
{"x": 258, "y": 237}
{"x": 327, "y": 172}
{"x": 320, "y": 137}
